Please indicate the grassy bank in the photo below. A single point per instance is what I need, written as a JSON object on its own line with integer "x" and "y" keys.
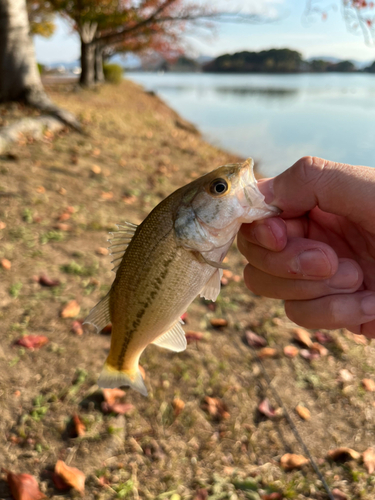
{"x": 200, "y": 433}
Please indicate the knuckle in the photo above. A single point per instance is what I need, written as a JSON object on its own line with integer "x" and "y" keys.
{"x": 309, "y": 169}
{"x": 292, "y": 311}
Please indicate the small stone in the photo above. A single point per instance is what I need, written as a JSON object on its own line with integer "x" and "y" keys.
{"x": 303, "y": 412}
{"x": 368, "y": 384}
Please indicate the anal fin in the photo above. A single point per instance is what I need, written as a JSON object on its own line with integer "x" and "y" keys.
{"x": 174, "y": 339}
{"x": 99, "y": 315}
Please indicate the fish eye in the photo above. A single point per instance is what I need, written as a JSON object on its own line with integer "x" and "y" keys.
{"x": 218, "y": 186}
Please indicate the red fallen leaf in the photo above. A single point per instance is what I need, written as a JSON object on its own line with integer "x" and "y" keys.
{"x": 77, "y": 327}
{"x": 255, "y": 340}
{"x": 193, "y": 336}
{"x": 338, "y": 495}
{"x": 32, "y": 341}
{"x": 46, "y": 281}
{"x": 107, "y": 330}
{"x": 79, "y": 426}
{"x": 71, "y": 476}
{"x": 266, "y": 409}
{"x": 216, "y": 408}
{"x": 323, "y": 338}
{"x": 63, "y": 217}
{"x": 178, "y": 405}
{"x": 24, "y": 487}
{"x": 218, "y": 322}
{"x": 59, "y": 482}
{"x": 272, "y": 496}
{"x": 201, "y": 494}
{"x": 6, "y": 264}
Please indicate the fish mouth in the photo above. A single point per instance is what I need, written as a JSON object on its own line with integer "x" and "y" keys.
{"x": 249, "y": 195}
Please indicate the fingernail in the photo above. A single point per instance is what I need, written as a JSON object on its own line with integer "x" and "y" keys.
{"x": 264, "y": 236}
{"x": 345, "y": 277}
{"x": 312, "y": 263}
{"x": 368, "y": 305}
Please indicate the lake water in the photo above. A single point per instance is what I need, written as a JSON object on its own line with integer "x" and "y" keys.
{"x": 276, "y": 119}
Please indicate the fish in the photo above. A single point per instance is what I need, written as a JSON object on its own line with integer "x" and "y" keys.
{"x": 173, "y": 256}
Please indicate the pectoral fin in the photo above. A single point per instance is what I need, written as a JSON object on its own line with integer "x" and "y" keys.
{"x": 212, "y": 288}
{"x": 174, "y": 339}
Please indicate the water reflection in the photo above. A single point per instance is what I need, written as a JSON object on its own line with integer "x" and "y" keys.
{"x": 277, "y": 118}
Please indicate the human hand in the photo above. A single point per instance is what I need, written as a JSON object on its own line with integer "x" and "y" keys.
{"x": 319, "y": 256}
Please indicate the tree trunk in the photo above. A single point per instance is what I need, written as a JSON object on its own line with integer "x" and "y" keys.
{"x": 87, "y": 78}
{"x": 99, "y": 74}
{"x": 19, "y": 75}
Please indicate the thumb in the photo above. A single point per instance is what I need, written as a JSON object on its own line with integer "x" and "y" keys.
{"x": 336, "y": 188}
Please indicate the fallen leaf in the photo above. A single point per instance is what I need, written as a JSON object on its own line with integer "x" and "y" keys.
{"x": 79, "y": 426}
{"x": 102, "y": 251}
{"x": 106, "y": 195}
{"x": 272, "y": 496}
{"x": 291, "y": 351}
{"x": 61, "y": 226}
{"x": 113, "y": 395}
{"x": 96, "y": 170}
{"x": 107, "y": 330}
{"x": 70, "y": 209}
{"x": 303, "y": 412}
{"x": 62, "y": 191}
{"x": 224, "y": 281}
{"x": 103, "y": 481}
{"x": 63, "y": 217}
{"x": 59, "y": 482}
{"x": 72, "y": 476}
{"x": 77, "y": 327}
{"x": 193, "y": 336}
{"x": 112, "y": 402}
{"x": 227, "y": 274}
{"x": 369, "y": 460}
{"x": 32, "y": 341}
{"x": 41, "y": 189}
{"x": 237, "y": 278}
{"x": 218, "y": 322}
{"x": 342, "y": 454}
{"x": 338, "y": 495}
{"x": 216, "y": 408}
{"x": 71, "y": 309}
{"x": 291, "y": 461}
{"x": 178, "y": 405}
{"x": 368, "y": 384}
{"x": 46, "y": 281}
{"x": 267, "y": 352}
{"x": 201, "y": 494}
{"x": 254, "y": 340}
{"x": 302, "y": 336}
{"x": 2, "y": 225}
{"x": 24, "y": 487}
{"x": 184, "y": 317}
{"x": 319, "y": 348}
{"x": 6, "y": 264}
{"x": 96, "y": 151}
{"x": 323, "y": 338}
{"x": 266, "y": 409}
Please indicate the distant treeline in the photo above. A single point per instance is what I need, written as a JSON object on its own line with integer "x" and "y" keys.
{"x": 265, "y": 61}
{"x": 276, "y": 61}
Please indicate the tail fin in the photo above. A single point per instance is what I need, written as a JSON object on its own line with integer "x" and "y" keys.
{"x": 111, "y": 378}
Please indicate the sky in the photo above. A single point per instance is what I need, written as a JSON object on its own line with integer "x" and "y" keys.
{"x": 287, "y": 26}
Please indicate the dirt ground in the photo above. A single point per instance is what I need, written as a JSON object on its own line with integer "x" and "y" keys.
{"x": 58, "y": 200}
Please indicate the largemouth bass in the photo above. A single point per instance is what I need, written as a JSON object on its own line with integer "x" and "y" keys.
{"x": 175, "y": 254}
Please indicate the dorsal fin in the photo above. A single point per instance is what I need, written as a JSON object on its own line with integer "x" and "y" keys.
{"x": 174, "y": 339}
{"x": 120, "y": 241}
